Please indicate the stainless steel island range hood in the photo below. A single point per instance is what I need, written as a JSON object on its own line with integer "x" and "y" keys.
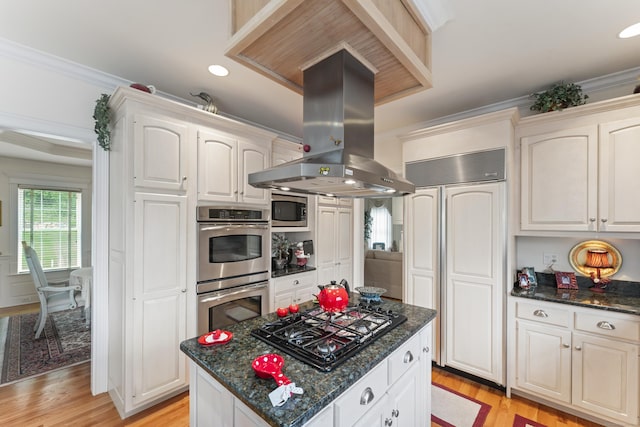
{"x": 338, "y": 128}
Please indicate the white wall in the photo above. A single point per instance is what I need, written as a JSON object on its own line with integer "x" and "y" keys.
{"x": 530, "y": 252}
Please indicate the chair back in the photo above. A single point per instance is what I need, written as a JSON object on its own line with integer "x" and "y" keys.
{"x": 39, "y": 279}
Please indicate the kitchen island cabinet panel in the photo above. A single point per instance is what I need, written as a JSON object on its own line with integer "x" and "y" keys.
{"x": 334, "y": 395}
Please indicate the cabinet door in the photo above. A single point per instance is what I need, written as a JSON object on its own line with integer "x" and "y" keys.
{"x": 252, "y": 158}
{"x": 619, "y": 199}
{"x": 159, "y": 296}
{"x": 543, "y": 360}
{"x": 605, "y": 377}
{"x": 377, "y": 416}
{"x": 421, "y": 236}
{"x": 559, "y": 180}
{"x": 217, "y": 167}
{"x": 404, "y": 409}
{"x": 344, "y": 245}
{"x": 160, "y": 154}
{"x": 326, "y": 244}
{"x": 210, "y": 404}
{"x": 475, "y": 222}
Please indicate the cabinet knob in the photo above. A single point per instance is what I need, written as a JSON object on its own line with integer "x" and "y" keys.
{"x": 578, "y": 348}
{"x": 183, "y": 290}
{"x": 425, "y": 349}
{"x": 592, "y": 219}
{"x": 540, "y": 313}
{"x": 603, "y": 220}
{"x": 388, "y": 422}
{"x": 605, "y": 325}
{"x": 296, "y": 282}
{"x": 408, "y": 357}
{"x": 184, "y": 178}
{"x": 566, "y": 345}
{"x": 395, "y": 413}
{"x": 367, "y": 396}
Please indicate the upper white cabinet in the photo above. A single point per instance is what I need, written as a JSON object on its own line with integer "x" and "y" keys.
{"x": 578, "y": 174}
{"x": 285, "y": 151}
{"x": 334, "y": 237}
{"x": 160, "y": 158}
{"x": 224, "y": 163}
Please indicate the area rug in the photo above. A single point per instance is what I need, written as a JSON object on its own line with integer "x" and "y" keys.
{"x": 520, "y": 421}
{"x": 452, "y": 409}
{"x": 65, "y": 341}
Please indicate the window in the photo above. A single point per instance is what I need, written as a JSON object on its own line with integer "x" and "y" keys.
{"x": 381, "y": 227}
{"x": 49, "y": 220}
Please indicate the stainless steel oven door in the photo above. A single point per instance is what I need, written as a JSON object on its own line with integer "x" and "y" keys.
{"x": 219, "y": 309}
{"x": 230, "y": 250}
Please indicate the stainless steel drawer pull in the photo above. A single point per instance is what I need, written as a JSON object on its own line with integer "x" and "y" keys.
{"x": 540, "y": 313}
{"x": 367, "y": 396}
{"x": 408, "y": 357}
{"x": 605, "y": 325}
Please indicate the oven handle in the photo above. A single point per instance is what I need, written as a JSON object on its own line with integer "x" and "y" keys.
{"x": 230, "y": 292}
{"x": 218, "y": 226}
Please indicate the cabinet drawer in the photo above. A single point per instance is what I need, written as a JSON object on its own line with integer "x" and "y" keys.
{"x": 543, "y": 313}
{"x": 403, "y": 359}
{"x": 362, "y": 396}
{"x": 294, "y": 281}
{"x": 607, "y": 325}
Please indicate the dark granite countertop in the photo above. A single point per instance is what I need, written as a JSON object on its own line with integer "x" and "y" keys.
{"x": 230, "y": 364}
{"x": 291, "y": 269}
{"x": 619, "y": 296}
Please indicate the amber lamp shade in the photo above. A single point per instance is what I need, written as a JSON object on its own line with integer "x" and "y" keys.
{"x": 597, "y": 258}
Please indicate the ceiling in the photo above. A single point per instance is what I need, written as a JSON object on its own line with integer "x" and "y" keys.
{"x": 488, "y": 52}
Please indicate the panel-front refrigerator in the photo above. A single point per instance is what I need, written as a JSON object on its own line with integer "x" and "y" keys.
{"x": 455, "y": 250}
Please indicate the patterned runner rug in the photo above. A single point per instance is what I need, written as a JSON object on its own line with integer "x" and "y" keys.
{"x": 452, "y": 409}
{"x": 65, "y": 341}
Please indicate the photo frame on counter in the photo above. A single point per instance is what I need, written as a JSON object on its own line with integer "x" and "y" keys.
{"x": 531, "y": 274}
{"x": 523, "y": 281}
{"x": 566, "y": 280}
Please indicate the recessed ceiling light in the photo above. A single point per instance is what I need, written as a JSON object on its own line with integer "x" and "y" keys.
{"x": 218, "y": 70}
{"x": 350, "y": 181}
{"x": 630, "y": 31}
{"x": 285, "y": 188}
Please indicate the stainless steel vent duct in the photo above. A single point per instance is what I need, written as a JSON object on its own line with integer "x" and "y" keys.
{"x": 338, "y": 127}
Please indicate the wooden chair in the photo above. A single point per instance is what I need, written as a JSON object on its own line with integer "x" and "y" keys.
{"x": 54, "y": 296}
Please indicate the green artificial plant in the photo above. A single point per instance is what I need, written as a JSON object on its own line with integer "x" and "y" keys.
{"x": 280, "y": 246}
{"x": 101, "y": 116}
{"x": 560, "y": 95}
{"x": 368, "y": 221}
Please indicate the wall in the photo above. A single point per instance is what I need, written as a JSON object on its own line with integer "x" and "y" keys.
{"x": 18, "y": 289}
{"x": 530, "y": 252}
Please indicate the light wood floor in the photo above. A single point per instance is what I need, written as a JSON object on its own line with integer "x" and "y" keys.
{"x": 62, "y": 398}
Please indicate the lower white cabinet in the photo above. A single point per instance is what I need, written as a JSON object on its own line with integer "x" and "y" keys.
{"x": 395, "y": 392}
{"x": 584, "y": 358}
{"x": 293, "y": 289}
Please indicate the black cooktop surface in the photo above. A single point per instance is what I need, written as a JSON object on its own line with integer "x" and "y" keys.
{"x": 325, "y": 340}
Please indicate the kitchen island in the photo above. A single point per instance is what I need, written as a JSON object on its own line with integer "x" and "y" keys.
{"x": 394, "y": 369}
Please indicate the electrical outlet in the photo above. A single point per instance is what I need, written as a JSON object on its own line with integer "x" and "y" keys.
{"x": 549, "y": 259}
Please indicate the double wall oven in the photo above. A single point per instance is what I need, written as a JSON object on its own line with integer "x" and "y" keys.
{"x": 233, "y": 265}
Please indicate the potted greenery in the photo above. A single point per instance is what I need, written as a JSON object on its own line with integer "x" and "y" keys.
{"x": 560, "y": 95}
{"x": 280, "y": 250}
{"x": 101, "y": 117}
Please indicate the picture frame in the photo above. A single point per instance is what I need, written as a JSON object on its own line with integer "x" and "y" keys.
{"x": 523, "y": 281}
{"x": 530, "y": 272}
{"x": 566, "y": 280}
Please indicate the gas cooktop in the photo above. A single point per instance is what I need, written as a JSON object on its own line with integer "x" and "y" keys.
{"x": 325, "y": 340}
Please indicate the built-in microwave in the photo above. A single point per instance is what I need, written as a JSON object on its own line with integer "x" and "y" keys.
{"x": 288, "y": 210}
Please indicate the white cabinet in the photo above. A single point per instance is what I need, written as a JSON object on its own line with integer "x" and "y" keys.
{"x": 334, "y": 244}
{"x": 421, "y": 253}
{"x": 285, "y": 151}
{"x": 475, "y": 280}
{"x": 160, "y": 158}
{"x": 581, "y": 178}
{"x": 149, "y": 275}
{"x": 224, "y": 163}
{"x": 293, "y": 289}
{"x": 584, "y": 358}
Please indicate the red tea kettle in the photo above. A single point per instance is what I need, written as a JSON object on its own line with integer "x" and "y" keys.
{"x": 334, "y": 297}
